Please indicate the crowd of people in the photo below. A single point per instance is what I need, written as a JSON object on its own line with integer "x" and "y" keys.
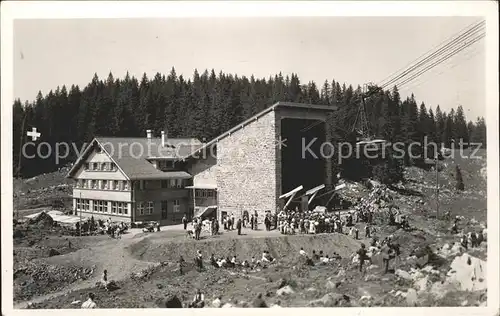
{"x": 291, "y": 222}
{"x": 229, "y": 262}
{"x": 471, "y": 239}
{"x": 92, "y": 226}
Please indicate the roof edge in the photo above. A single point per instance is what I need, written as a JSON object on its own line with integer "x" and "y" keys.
{"x": 79, "y": 159}
{"x": 260, "y": 114}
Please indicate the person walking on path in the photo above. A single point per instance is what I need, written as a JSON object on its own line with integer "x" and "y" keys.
{"x": 185, "y": 221}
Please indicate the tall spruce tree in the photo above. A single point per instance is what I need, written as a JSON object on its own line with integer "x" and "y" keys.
{"x": 207, "y": 104}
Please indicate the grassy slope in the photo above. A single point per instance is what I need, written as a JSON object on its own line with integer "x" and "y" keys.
{"x": 471, "y": 203}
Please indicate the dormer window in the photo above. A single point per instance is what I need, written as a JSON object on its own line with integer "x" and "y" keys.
{"x": 99, "y": 149}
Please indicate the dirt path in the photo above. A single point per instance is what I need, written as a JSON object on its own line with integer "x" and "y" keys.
{"x": 112, "y": 256}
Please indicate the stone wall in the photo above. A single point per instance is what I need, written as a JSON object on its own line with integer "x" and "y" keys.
{"x": 246, "y": 168}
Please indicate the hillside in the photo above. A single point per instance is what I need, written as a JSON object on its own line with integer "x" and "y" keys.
{"x": 147, "y": 270}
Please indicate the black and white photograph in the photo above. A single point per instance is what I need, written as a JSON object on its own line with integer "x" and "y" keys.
{"x": 279, "y": 155}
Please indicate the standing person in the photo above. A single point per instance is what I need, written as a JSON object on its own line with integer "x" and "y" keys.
{"x": 232, "y": 221}
{"x": 181, "y": 265}
{"x": 104, "y": 280}
{"x": 198, "y": 229}
{"x": 473, "y": 238}
{"x": 252, "y": 222}
{"x": 89, "y": 303}
{"x": 387, "y": 255}
{"x": 267, "y": 222}
{"x": 356, "y": 233}
{"x": 464, "y": 241}
{"x": 216, "y": 228}
{"x": 185, "y": 221}
{"x": 367, "y": 231}
{"x": 199, "y": 260}
{"x": 238, "y": 226}
{"x": 361, "y": 256}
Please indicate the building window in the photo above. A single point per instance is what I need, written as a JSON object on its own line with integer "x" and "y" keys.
{"x": 150, "y": 208}
{"x": 93, "y": 184}
{"x": 177, "y": 206}
{"x": 164, "y": 208}
{"x": 99, "y": 149}
{"x": 178, "y": 183}
{"x": 120, "y": 207}
{"x": 116, "y": 186}
{"x": 112, "y": 166}
{"x": 113, "y": 207}
{"x": 140, "y": 208}
{"x": 86, "y": 166}
{"x": 126, "y": 185}
{"x": 96, "y": 206}
{"x": 104, "y": 166}
{"x": 78, "y": 205}
{"x": 105, "y": 184}
{"x": 164, "y": 184}
{"x": 125, "y": 208}
{"x": 86, "y": 205}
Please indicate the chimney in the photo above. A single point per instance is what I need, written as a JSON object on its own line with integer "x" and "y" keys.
{"x": 164, "y": 138}
{"x": 148, "y": 134}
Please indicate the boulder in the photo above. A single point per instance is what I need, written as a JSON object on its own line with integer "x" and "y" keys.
{"x": 372, "y": 277}
{"x": 403, "y": 274}
{"x": 286, "y": 290}
{"x": 332, "y": 285}
{"x": 468, "y": 272}
{"x": 53, "y": 252}
{"x": 331, "y": 300}
{"x": 422, "y": 284}
{"x": 18, "y": 234}
{"x": 411, "y": 298}
{"x": 171, "y": 301}
{"x": 372, "y": 267}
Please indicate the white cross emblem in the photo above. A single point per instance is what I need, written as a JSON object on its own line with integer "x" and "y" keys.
{"x": 33, "y": 134}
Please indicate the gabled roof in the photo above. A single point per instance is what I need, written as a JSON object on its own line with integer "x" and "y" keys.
{"x": 311, "y": 107}
{"x": 131, "y": 155}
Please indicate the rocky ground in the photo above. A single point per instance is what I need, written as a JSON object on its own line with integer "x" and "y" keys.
{"x": 50, "y": 273}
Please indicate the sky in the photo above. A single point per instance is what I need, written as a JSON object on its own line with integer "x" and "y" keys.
{"x": 355, "y": 50}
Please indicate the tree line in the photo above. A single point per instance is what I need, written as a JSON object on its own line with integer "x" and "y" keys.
{"x": 208, "y": 104}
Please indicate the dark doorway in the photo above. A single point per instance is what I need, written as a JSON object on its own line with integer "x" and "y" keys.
{"x": 299, "y": 166}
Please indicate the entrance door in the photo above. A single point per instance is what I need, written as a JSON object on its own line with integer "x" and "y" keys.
{"x": 164, "y": 209}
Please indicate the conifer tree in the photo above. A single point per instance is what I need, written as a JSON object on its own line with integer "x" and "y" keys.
{"x": 460, "y": 182}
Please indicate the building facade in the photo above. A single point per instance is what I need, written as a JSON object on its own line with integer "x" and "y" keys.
{"x": 244, "y": 170}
